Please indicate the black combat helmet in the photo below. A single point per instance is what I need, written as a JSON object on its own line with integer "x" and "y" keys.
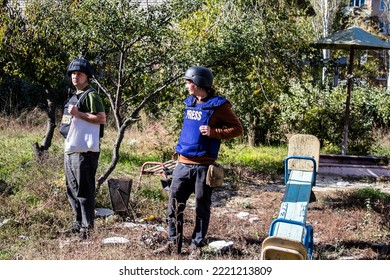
{"x": 200, "y": 76}
{"x": 80, "y": 64}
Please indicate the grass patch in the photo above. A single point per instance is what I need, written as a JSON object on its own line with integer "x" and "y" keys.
{"x": 365, "y": 198}
{"x": 265, "y": 158}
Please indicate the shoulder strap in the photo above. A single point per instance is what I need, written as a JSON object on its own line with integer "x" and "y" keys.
{"x": 83, "y": 96}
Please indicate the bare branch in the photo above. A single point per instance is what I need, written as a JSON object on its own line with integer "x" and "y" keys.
{"x": 135, "y": 113}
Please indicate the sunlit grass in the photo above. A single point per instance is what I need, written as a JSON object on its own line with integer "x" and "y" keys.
{"x": 266, "y": 158}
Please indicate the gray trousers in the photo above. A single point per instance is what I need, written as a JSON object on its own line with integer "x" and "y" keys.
{"x": 188, "y": 179}
{"x": 80, "y": 171}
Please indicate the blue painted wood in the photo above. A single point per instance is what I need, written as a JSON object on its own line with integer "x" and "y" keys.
{"x": 290, "y": 229}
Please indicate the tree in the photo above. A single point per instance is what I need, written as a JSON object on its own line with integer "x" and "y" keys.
{"x": 326, "y": 14}
{"x": 255, "y": 48}
{"x": 134, "y": 50}
{"x": 29, "y": 43}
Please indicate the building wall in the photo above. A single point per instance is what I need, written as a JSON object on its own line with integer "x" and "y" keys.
{"x": 375, "y": 7}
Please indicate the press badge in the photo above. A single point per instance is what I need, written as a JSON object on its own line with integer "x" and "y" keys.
{"x": 66, "y": 119}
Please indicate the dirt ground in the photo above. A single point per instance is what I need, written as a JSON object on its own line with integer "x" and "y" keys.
{"x": 242, "y": 211}
{"x": 342, "y": 229}
{"x": 241, "y": 216}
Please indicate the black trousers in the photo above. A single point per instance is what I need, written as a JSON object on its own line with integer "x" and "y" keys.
{"x": 80, "y": 172}
{"x": 188, "y": 179}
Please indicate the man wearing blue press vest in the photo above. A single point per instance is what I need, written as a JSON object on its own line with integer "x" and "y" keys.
{"x": 208, "y": 119}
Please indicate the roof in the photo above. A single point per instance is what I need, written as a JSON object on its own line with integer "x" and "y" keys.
{"x": 353, "y": 37}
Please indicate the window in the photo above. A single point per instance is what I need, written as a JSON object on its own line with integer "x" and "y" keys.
{"x": 384, "y": 6}
{"x": 357, "y": 3}
{"x": 384, "y": 28}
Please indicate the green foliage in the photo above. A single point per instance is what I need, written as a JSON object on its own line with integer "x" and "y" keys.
{"x": 134, "y": 49}
{"x": 17, "y": 95}
{"x": 311, "y": 110}
{"x": 40, "y": 50}
{"x": 258, "y": 51}
{"x": 379, "y": 150}
{"x": 371, "y": 194}
{"x": 254, "y": 48}
{"x": 130, "y": 158}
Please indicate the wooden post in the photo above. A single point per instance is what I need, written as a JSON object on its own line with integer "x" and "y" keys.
{"x": 347, "y": 103}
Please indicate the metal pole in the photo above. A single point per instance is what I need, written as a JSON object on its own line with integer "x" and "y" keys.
{"x": 347, "y": 103}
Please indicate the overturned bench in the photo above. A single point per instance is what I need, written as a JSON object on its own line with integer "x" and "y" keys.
{"x": 289, "y": 236}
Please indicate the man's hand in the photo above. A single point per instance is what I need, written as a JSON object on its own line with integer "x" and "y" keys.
{"x": 204, "y": 130}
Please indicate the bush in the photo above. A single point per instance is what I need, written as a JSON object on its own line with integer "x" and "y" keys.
{"x": 309, "y": 109}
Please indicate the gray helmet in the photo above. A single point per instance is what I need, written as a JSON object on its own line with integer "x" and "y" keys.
{"x": 80, "y": 64}
{"x": 200, "y": 76}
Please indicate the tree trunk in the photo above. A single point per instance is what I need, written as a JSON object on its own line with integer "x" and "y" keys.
{"x": 40, "y": 151}
{"x": 115, "y": 152}
{"x": 252, "y": 133}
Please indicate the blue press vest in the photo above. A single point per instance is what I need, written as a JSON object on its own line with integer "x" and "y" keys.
{"x": 191, "y": 142}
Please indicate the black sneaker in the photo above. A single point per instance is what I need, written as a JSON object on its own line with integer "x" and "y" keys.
{"x": 84, "y": 234}
{"x": 72, "y": 230}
